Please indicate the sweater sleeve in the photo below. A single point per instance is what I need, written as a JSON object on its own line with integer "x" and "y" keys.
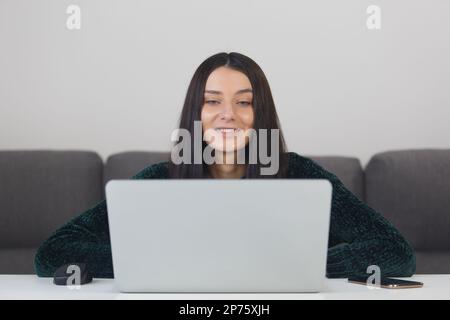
{"x": 359, "y": 235}
{"x": 85, "y": 239}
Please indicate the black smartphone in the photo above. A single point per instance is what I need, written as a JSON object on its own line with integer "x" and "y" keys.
{"x": 387, "y": 283}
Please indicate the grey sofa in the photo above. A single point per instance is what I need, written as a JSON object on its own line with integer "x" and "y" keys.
{"x": 40, "y": 190}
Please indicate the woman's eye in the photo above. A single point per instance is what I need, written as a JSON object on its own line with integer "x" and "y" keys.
{"x": 244, "y": 103}
{"x": 212, "y": 102}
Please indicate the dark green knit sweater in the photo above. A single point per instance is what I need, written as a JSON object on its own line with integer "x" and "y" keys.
{"x": 359, "y": 236}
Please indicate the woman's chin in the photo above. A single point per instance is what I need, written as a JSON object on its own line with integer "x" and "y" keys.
{"x": 227, "y": 149}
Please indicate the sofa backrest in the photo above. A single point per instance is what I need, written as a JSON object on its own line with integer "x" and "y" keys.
{"x": 41, "y": 190}
{"x": 126, "y": 164}
{"x": 411, "y": 188}
{"x": 347, "y": 169}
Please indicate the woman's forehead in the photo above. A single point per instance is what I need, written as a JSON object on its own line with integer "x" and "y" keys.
{"x": 225, "y": 80}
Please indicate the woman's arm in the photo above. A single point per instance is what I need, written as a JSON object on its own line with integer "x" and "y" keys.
{"x": 85, "y": 238}
{"x": 360, "y": 236}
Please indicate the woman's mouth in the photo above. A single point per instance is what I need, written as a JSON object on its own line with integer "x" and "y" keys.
{"x": 228, "y": 131}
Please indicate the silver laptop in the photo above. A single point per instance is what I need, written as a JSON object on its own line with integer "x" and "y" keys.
{"x": 193, "y": 235}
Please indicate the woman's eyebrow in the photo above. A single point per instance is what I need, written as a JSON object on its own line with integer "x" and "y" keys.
{"x": 237, "y": 92}
{"x": 213, "y": 91}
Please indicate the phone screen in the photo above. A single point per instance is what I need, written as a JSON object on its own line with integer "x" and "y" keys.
{"x": 387, "y": 282}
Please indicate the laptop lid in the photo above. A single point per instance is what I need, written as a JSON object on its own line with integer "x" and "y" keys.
{"x": 193, "y": 235}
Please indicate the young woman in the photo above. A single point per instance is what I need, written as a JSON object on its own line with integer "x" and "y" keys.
{"x": 230, "y": 94}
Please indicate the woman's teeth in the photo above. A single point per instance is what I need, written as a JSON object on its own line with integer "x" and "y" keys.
{"x": 228, "y": 130}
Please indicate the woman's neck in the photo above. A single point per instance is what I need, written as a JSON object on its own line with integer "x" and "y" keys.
{"x": 226, "y": 167}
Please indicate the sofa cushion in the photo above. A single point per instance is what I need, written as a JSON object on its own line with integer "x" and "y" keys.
{"x": 41, "y": 190}
{"x": 411, "y": 188}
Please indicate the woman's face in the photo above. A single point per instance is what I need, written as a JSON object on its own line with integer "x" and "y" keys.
{"x": 227, "y": 112}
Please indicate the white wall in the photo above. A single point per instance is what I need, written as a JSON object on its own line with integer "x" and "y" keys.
{"x": 118, "y": 83}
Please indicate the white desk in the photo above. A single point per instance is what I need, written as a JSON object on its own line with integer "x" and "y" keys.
{"x": 32, "y": 287}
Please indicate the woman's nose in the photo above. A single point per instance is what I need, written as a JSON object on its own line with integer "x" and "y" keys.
{"x": 227, "y": 112}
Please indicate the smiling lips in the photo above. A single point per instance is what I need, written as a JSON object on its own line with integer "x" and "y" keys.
{"x": 228, "y": 131}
